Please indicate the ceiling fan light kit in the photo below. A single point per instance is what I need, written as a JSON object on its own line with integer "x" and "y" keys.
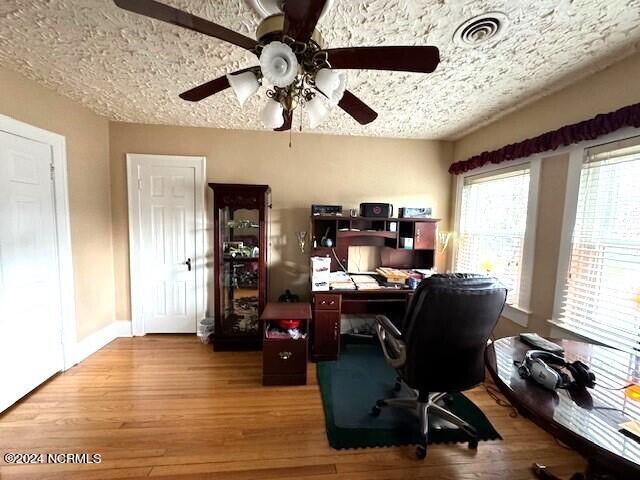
{"x": 244, "y": 85}
{"x": 272, "y": 114}
{"x": 317, "y": 112}
{"x": 292, "y": 58}
{"x": 279, "y": 64}
{"x": 332, "y": 84}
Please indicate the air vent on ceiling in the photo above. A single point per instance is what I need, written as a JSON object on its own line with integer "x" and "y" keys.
{"x": 482, "y": 29}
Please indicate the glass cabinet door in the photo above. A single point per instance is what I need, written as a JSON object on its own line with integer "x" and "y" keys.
{"x": 239, "y": 295}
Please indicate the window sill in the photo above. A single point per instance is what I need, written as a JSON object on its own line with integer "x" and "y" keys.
{"x": 516, "y": 314}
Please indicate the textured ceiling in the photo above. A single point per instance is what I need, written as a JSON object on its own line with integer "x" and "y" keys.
{"x": 129, "y": 68}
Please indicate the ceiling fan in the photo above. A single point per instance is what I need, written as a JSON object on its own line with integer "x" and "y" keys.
{"x": 293, "y": 58}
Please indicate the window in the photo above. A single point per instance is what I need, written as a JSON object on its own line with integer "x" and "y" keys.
{"x": 600, "y": 298}
{"x": 492, "y": 228}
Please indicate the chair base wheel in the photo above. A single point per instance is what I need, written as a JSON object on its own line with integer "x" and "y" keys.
{"x": 375, "y": 411}
{"x": 397, "y": 387}
{"x": 421, "y": 452}
{"x": 473, "y": 444}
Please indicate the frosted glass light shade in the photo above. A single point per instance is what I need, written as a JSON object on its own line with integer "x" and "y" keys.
{"x": 244, "y": 85}
{"x": 317, "y": 111}
{"x": 279, "y": 64}
{"x": 272, "y": 114}
{"x": 333, "y": 84}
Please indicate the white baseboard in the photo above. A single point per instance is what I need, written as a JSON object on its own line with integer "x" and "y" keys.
{"x": 124, "y": 328}
{"x": 94, "y": 342}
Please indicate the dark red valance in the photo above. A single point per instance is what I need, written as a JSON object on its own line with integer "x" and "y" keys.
{"x": 595, "y": 127}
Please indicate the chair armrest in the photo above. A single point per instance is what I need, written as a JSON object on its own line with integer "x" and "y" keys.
{"x": 388, "y": 326}
{"x": 390, "y": 338}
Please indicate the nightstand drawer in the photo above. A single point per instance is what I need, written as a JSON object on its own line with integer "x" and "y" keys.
{"x": 324, "y": 301}
{"x": 284, "y": 357}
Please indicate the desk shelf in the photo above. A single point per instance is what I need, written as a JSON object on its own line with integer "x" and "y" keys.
{"x": 366, "y": 233}
{"x": 384, "y": 233}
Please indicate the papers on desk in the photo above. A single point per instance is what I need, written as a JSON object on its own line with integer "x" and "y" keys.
{"x": 341, "y": 281}
{"x": 425, "y": 272}
{"x": 365, "y": 282}
{"x": 344, "y": 281}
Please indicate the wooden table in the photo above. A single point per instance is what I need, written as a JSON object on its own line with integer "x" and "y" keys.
{"x": 587, "y": 420}
{"x": 284, "y": 360}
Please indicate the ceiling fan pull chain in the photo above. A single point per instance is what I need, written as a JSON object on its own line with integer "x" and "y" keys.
{"x": 301, "y": 109}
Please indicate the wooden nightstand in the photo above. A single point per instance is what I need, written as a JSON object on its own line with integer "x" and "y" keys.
{"x": 284, "y": 360}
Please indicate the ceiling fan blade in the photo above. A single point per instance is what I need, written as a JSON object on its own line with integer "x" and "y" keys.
{"x": 166, "y": 13}
{"x": 288, "y": 120}
{"x": 301, "y": 18}
{"x": 210, "y": 88}
{"x": 357, "y": 108}
{"x": 403, "y": 59}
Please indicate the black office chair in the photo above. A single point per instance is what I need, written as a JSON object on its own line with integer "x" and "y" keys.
{"x": 441, "y": 346}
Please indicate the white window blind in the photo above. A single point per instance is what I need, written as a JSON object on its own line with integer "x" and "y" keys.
{"x": 601, "y": 298}
{"x": 493, "y": 220}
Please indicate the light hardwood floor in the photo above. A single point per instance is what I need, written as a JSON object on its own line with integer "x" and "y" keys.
{"x": 168, "y": 407}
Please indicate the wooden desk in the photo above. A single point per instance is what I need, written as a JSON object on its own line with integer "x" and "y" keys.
{"x": 390, "y": 236}
{"x": 330, "y": 305}
{"x": 588, "y": 420}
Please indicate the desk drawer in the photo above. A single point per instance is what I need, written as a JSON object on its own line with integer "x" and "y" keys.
{"x": 324, "y": 301}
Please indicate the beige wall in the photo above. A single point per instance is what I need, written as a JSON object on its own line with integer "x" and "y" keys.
{"x": 317, "y": 169}
{"x": 605, "y": 91}
{"x": 602, "y": 92}
{"x": 87, "y": 138}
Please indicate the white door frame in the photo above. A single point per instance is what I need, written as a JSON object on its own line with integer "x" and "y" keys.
{"x": 134, "y": 162}
{"x": 58, "y": 147}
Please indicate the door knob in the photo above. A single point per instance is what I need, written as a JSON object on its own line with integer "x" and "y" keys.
{"x": 188, "y": 264}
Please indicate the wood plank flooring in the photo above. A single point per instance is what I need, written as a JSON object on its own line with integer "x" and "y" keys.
{"x": 167, "y": 407}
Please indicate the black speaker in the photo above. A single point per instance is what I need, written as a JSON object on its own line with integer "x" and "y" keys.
{"x": 376, "y": 210}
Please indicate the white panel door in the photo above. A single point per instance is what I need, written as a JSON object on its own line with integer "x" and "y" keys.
{"x": 30, "y": 310}
{"x": 167, "y": 214}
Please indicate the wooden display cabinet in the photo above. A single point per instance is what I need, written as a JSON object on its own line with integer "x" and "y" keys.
{"x": 241, "y": 219}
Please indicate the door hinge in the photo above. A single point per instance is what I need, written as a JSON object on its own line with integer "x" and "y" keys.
{"x": 52, "y": 171}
